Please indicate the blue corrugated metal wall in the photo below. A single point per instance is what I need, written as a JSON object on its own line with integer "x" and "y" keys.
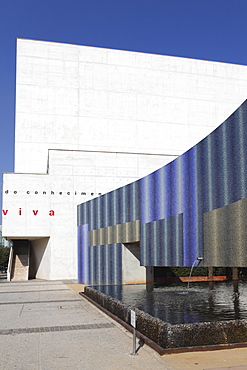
{"x": 170, "y": 204}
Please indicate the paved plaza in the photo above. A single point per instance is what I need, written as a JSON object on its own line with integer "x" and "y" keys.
{"x": 48, "y": 325}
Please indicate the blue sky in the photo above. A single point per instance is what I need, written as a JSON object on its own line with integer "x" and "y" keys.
{"x": 202, "y": 29}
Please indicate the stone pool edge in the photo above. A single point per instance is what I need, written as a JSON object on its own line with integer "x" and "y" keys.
{"x": 166, "y": 338}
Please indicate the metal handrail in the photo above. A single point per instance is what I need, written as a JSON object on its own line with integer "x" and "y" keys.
{"x": 9, "y": 269}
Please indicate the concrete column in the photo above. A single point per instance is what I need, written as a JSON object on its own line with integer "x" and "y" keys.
{"x": 210, "y": 273}
{"x": 211, "y": 285}
{"x": 149, "y": 274}
{"x": 235, "y": 286}
{"x": 234, "y": 273}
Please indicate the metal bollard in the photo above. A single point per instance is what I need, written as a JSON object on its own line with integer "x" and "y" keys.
{"x": 134, "y": 343}
{"x": 133, "y": 323}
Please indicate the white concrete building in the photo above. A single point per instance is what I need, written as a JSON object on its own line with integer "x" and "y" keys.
{"x": 89, "y": 120}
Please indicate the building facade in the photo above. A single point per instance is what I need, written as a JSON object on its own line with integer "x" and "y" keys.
{"x": 193, "y": 208}
{"x": 90, "y": 120}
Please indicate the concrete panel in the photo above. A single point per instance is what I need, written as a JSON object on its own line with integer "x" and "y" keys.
{"x": 225, "y": 235}
{"x": 128, "y": 232}
{"x": 115, "y": 86}
{"x": 132, "y": 272}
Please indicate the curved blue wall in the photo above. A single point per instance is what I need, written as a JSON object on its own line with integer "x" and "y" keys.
{"x": 193, "y": 207}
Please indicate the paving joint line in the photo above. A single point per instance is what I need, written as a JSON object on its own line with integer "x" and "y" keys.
{"x": 47, "y": 329}
{"x": 51, "y": 301}
{"x": 36, "y": 291}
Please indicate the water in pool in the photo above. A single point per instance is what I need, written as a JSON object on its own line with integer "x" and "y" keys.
{"x": 177, "y": 305}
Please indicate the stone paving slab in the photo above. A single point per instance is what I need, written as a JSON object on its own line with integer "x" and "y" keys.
{"x": 234, "y": 359}
{"x": 42, "y": 330}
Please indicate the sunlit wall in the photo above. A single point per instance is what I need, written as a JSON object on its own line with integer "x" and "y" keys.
{"x": 193, "y": 207}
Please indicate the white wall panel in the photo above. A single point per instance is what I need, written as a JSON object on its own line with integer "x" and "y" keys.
{"x": 105, "y": 85}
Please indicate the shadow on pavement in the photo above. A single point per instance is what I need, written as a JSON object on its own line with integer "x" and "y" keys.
{"x": 3, "y": 277}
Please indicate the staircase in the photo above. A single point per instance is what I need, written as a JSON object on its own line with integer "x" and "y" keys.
{"x": 20, "y": 263}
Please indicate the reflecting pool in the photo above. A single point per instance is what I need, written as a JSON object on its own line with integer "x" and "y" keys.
{"x": 202, "y": 302}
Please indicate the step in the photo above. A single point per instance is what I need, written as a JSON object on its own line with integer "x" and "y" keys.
{"x": 20, "y": 274}
{"x": 20, "y": 267}
{"x": 21, "y": 259}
